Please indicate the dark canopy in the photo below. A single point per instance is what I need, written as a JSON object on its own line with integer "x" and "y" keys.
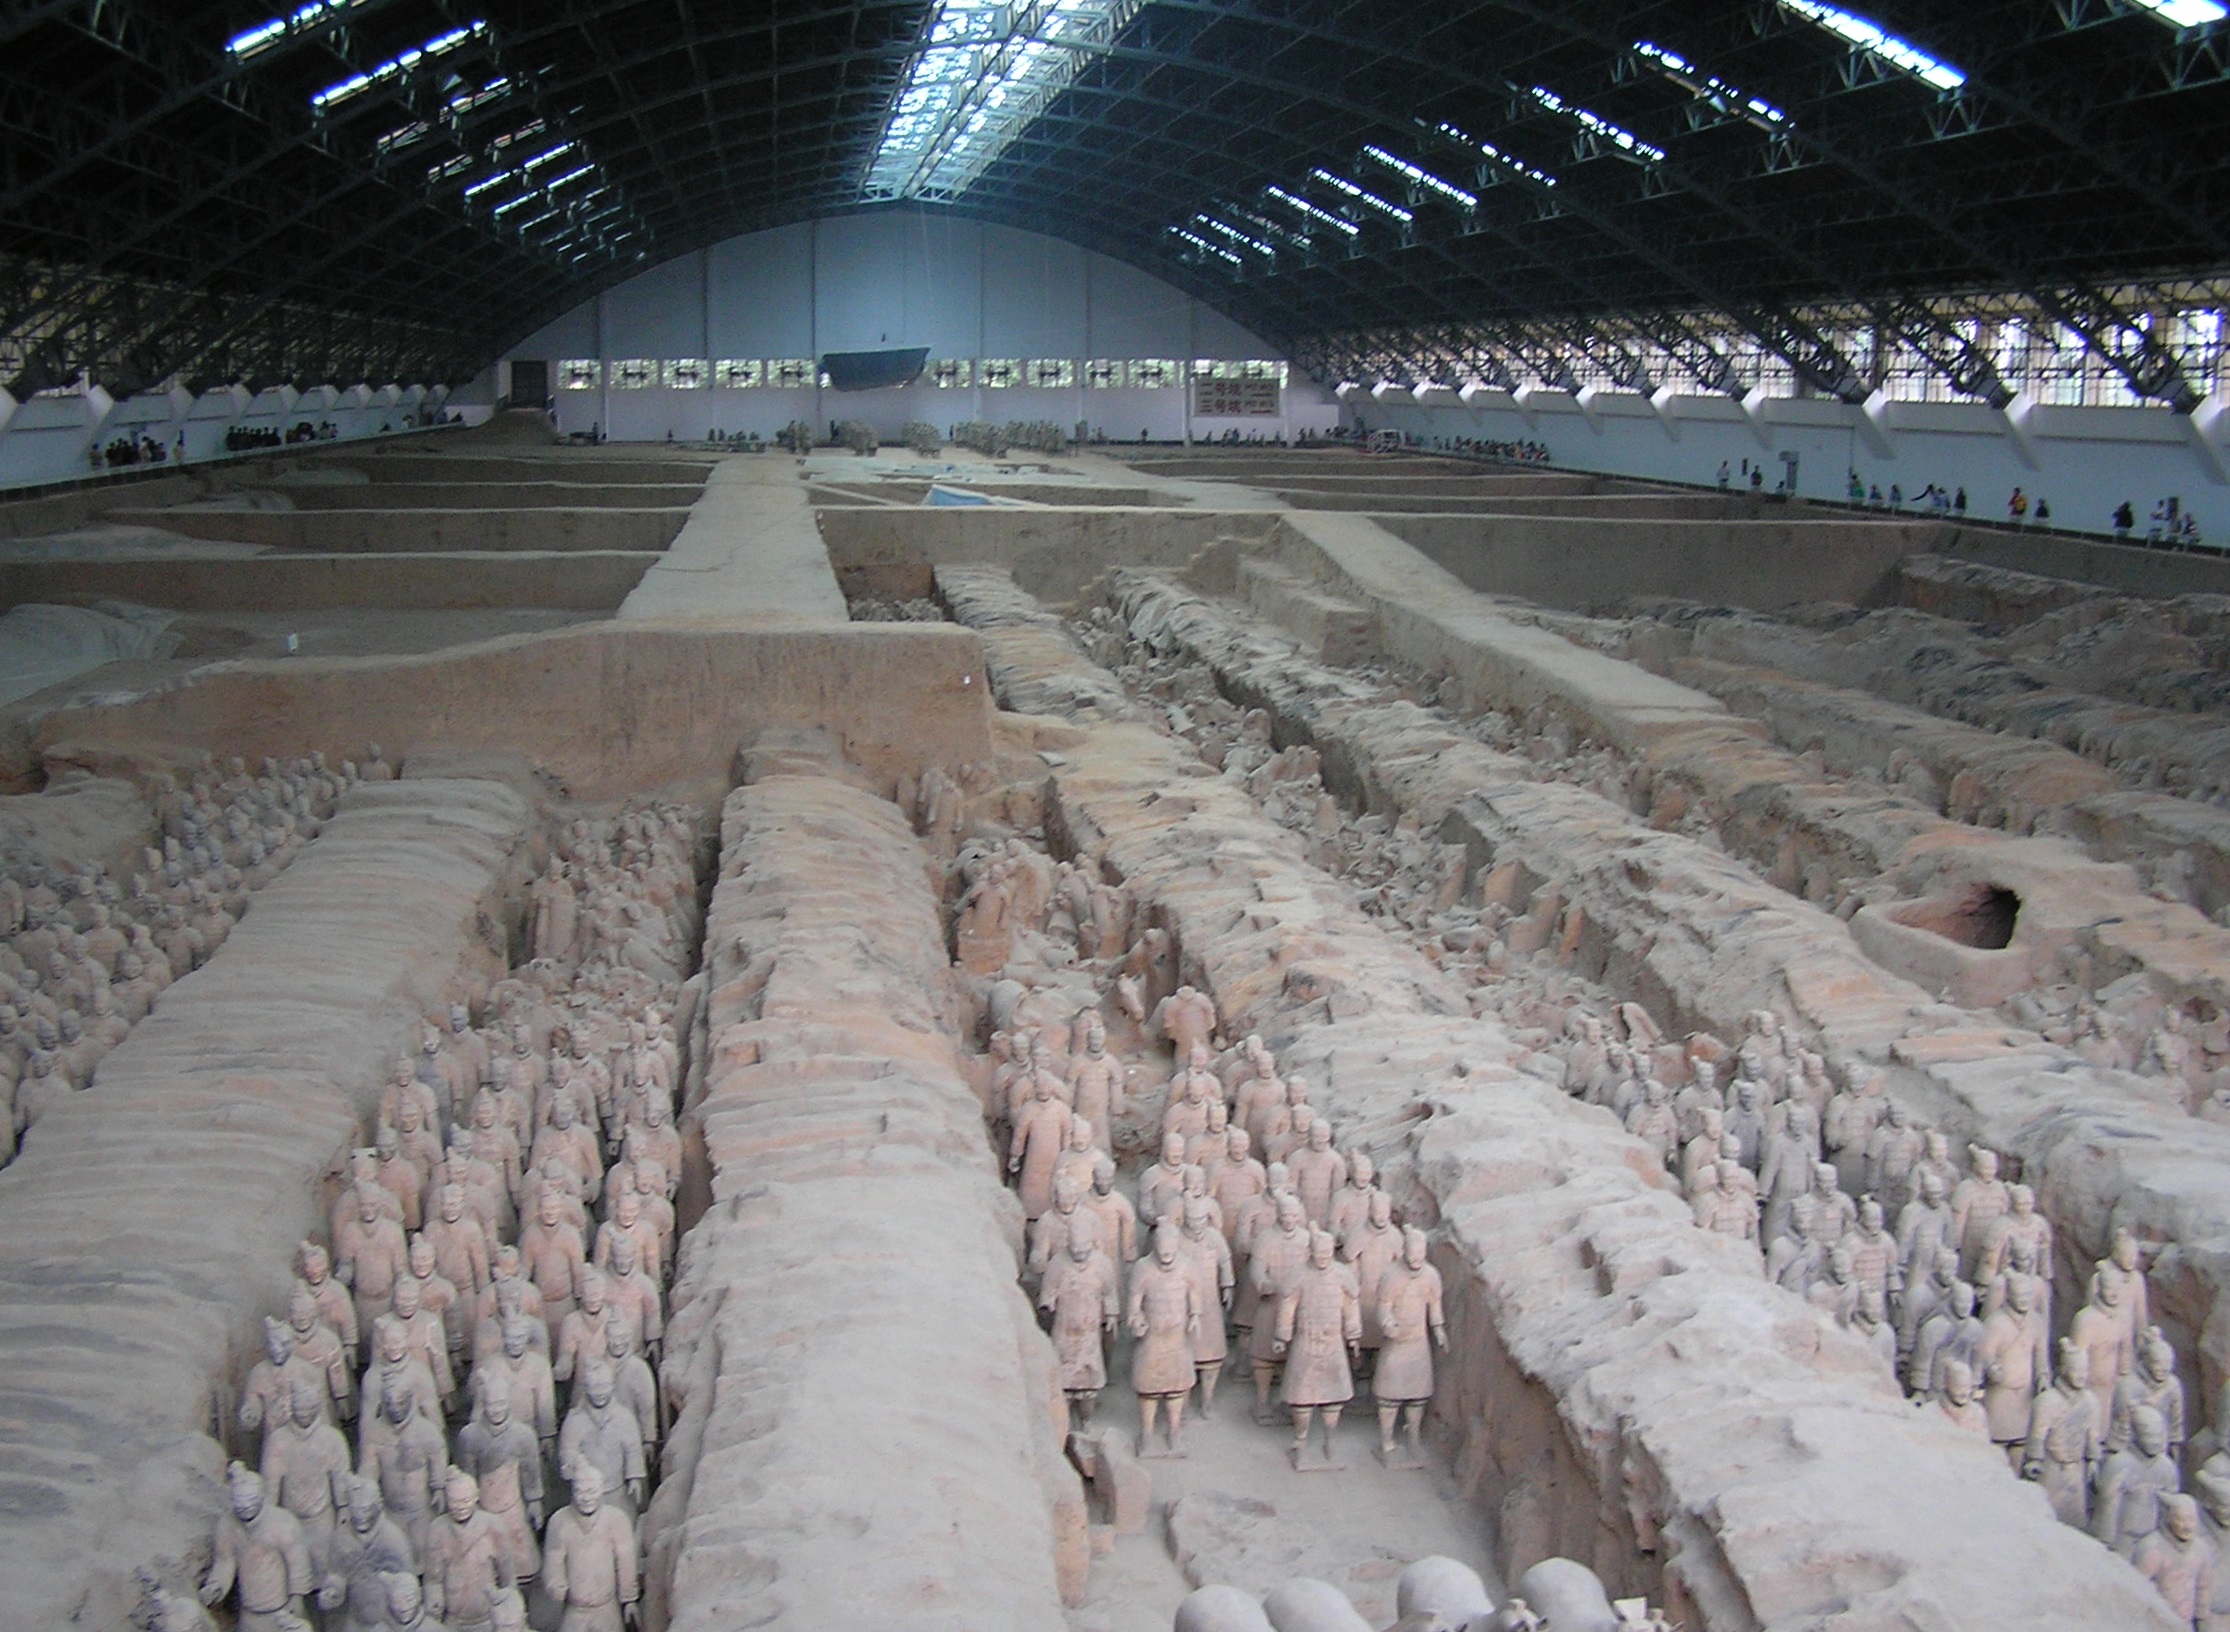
{"x": 317, "y": 203}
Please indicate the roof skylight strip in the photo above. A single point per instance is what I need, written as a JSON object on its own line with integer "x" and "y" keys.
{"x": 1508, "y": 161}
{"x": 1879, "y": 43}
{"x": 1362, "y": 195}
{"x": 357, "y": 84}
{"x": 1325, "y": 217}
{"x": 1709, "y": 87}
{"x": 264, "y": 36}
{"x": 1200, "y": 243}
{"x": 984, "y": 73}
{"x": 1243, "y": 240}
{"x": 2184, "y": 13}
{"x": 1423, "y": 178}
{"x": 1617, "y": 135}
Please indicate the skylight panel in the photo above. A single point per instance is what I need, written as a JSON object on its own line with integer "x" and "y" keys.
{"x": 1322, "y": 217}
{"x": 1422, "y": 177}
{"x": 264, "y": 36}
{"x": 1200, "y": 243}
{"x": 394, "y": 67}
{"x": 1362, "y": 195}
{"x": 2184, "y": 13}
{"x": 983, "y": 74}
{"x": 1617, "y": 135}
{"x": 1879, "y": 43}
{"x": 1707, "y": 87}
{"x": 1243, "y": 240}
{"x": 1510, "y": 162}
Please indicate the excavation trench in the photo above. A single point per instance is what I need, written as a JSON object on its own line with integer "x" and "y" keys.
{"x": 1625, "y": 1389}
{"x": 1701, "y": 941}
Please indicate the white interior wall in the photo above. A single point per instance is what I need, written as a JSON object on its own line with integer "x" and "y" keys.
{"x": 2085, "y": 461}
{"x": 894, "y": 278}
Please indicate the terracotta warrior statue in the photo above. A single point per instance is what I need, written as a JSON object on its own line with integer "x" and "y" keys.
{"x": 588, "y": 1559}
{"x": 1411, "y": 1325}
{"x": 259, "y": 1552}
{"x": 1166, "y": 1317}
{"x": 1080, "y": 1294}
{"x": 467, "y": 1559}
{"x": 1319, "y": 1327}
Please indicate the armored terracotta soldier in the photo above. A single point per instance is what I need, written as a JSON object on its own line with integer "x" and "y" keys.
{"x": 1118, "y": 1219}
{"x": 1081, "y": 1294}
{"x": 588, "y": 1558}
{"x": 1411, "y": 1325}
{"x": 602, "y": 1434}
{"x": 1040, "y": 1134}
{"x": 1319, "y": 1326}
{"x": 1274, "y": 1258}
{"x": 1319, "y": 1173}
{"x": 305, "y": 1469}
{"x": 2065, "y": 1440}
{"x": 1208, "y": 1258}
{"x": 258, "y": 1552}
{"x": 467, "y": 1558}
{"x": 1166, "y": 1317}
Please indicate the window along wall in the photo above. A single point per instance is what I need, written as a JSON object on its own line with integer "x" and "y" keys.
{"x": 1017, "y": 326}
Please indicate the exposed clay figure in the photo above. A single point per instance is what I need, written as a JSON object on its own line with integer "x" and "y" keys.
{"x": 1785, "y": 1172}
{"x": 467, "y": 1559}
{"x": 406, "y": 1453}
{"x": 1954, "y": 1332}
{"x": 367, "y": 1546}
{"x": 427, "y": 1336}
{"x": 2124, "y": 1266}
{"x": 635, "y": 1388}
{"x": 2178, "y": 1561}
{"x": 1654, "y": 1123}
{"x": 395, "y": 1368}
{"x": 1371, "y": 1251}
{"x": 524, "y": 1373}
{"x": 1162, "y": 1184}
{"x": 305, "y": 1469}
{"x": 2016, "y": 1358}
{"x": 1190, "y": 1094}
{"x": 1187, "y": 1017}
{"x": 1411, "y": 1325}
{"x": 370, "y": 1253}
{"x": 1275, "y": 1257}
{"x": 2125, "y": 1508}
{"x": 1096, "y": 1081}
{"x": 631, "y": 1220}
{"x": 1317, "y": 1172}
{"x": 1078, "y": 1157}
{"x": 1320, "y": 1324}
{"x": 319, "y": 1348}
{"x": 258, "y": 1552}
{"x": 1081, "y": 1295}
{"x": 2101, "y": 1328}
{"x": 496, "y": 1439}
{"x": 1979, "y": 1201}
{"x": 637, "y": 1306}
{"x": 1040, "y": 1134}
{"x": 1892, "y": 1161}
{"x": 580, "y": 1336}
{"x": 334, "y": 1305}
{"x": 551, "y": 1254}
{"x": 459, "y": 1246}
{"x": 1207, "y": 1257}
{"x": 1052, "y": 1229}
{"x": 1957, "y": 1403}
{"x": 588, "y": 1559}
{"x": 1165, "y": 1315}
{"x": 271, "y": 1381}
{"x": 1924, "y": 1229}
{"x": 600, "y": 1433}
{"x": 2065, "y": 1442}
{"x": 1118, "y": 1219}
{"x": 1351, "y": 1207}
{"x": 2153, "y": 1383}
